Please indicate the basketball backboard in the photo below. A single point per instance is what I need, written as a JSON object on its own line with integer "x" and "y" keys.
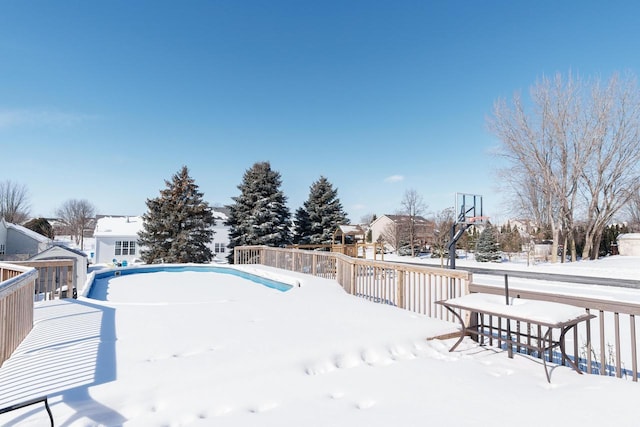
{"x": 469, "y": 209}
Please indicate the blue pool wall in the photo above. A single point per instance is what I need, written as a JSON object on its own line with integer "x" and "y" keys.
{"x": 141, "y": 269}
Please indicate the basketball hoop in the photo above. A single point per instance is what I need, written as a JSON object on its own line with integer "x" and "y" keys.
{"x": 477, "y": 220}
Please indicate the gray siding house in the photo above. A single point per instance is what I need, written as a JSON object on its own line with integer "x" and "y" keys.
{"x": 18, "y": 243}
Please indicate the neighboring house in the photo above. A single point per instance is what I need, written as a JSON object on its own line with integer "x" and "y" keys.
{"x": 18, "y": 243}
{"x": 63, "y": 252}
{"x": 220, "y": 240}
{"x": 629, "y": 244}
{"x": 116, "y": 238}
{"x": 423, "y": 228}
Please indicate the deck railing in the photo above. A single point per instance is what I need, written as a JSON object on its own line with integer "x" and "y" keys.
{"x": 408, "y": 286}
{"x": 55, "y": 278}
{"x": 606, "y": 345}
{"x": 16, "y": 306}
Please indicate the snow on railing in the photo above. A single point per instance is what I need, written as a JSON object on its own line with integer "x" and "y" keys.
{"x": 605, "y": 345}
{"x": 411, "y": 287}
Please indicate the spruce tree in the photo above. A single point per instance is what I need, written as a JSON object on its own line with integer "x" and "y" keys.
{"x": 487, "y": 247}
{"x": 259, "y": 215}
{"x": 178, "y": 226}
{"x": 302, "y": 227}
{"x": 324, "y": 211}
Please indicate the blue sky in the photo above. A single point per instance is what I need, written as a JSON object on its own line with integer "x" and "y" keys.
{"x": 105, "y": 100}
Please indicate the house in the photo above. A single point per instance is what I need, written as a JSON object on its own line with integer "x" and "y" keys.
{"x": 18, "y": 243}
{"x": 629, "y": 244}
{"x": 393, "y": 229}
{"x": 116, "y": 238}
{"x": 220, "y": 240}
{"x": 63, "y": 252}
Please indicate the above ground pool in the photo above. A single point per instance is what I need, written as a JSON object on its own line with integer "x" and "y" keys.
{"x": 106, "y": 274}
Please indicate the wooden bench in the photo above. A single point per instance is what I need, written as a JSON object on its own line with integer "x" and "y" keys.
{"x": 545, "y": 317}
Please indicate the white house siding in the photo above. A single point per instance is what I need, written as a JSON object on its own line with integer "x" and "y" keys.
{"x": 220, "y": 237}
{"x": 378, "y": 227}
{"x": 629, "y": 244}
{"x": 110, "y": 230}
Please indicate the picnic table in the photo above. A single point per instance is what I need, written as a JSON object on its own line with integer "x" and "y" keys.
{"x": 545, "y": 316}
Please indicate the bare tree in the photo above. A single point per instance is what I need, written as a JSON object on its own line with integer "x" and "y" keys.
{"x": 443, "y": 221}
{"x": 392, "y": 235}
{"x": 14, "y": 203}
{"x": 413, "y": 207}
{"x": 578, "y": 140}
{"x": 368, "y": 219}
{"x": 612, "y": 173}
{"x": 76, "y": 216}
{"x": 633, "y": 211}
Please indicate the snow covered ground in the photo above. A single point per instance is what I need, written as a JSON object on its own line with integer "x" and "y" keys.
{"x": 205, "y": 349}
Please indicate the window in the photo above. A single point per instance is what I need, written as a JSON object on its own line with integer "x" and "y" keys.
{"x": 2, "y": 249}
{"x": 125, "y": 247}
{"x": 219, "y": 248}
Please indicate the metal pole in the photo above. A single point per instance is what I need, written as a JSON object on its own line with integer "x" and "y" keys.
{"x": 506, "y": 288}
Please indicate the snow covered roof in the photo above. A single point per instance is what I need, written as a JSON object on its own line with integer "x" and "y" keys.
{"x": 24, "y": 230}
{"x": 118, "y": 226}
{"x": 219, "y": 214}
{"x": 57, "y": 248}
{"x": 350, "y": 230}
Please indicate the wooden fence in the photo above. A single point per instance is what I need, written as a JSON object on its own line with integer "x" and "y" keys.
{"x": 16, "y": 306}
{"x": 55, "y": 278}
{"x": 408, "y": 286}
{"x": 22, "y": 283}
{"x": 606, "y": 345}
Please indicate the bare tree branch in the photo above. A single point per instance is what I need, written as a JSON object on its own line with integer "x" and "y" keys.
{"x": 14, "y": 202}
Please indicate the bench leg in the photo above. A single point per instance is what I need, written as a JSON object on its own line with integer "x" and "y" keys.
{"x": 562, "y": 349}
{"x": 462, "y": 332}
{"x": 546, "y": 336}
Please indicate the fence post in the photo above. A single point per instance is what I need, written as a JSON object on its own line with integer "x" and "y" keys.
{"x": 314, "y": 264}
{"x": 400, "y": 289}
{"x": 353, "y": 278}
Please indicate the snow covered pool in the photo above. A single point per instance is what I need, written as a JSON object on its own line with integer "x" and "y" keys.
{"x": 99, "y": 292}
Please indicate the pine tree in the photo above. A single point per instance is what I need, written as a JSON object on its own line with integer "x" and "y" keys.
{"x": 487, "y": 246}
{"x": 178, "y": 226}
{"x": 259, "y": 215}
{"x": 324, "y": 212}
{"x": 41, "y": 226}
{"x": 302, "y": 227}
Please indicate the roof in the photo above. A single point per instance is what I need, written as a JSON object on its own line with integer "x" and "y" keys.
{"x": 118, "y": 226}
{"x": 351, "y": 230}
{"x": 400, "y": 218}
{"x": 61, "y": 247}
{"x": 30, "y": 233}
{"x": 220, "y": 213}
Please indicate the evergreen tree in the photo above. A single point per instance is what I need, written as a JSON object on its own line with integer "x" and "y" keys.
{"x": 324, "y": 211}
{"x": 41, "y": 226}
{"x": 178, "y": 225}
{"x": 487, "y": 246}
{"x": 302, "y": 227}
{"x": 259, "y": 215}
